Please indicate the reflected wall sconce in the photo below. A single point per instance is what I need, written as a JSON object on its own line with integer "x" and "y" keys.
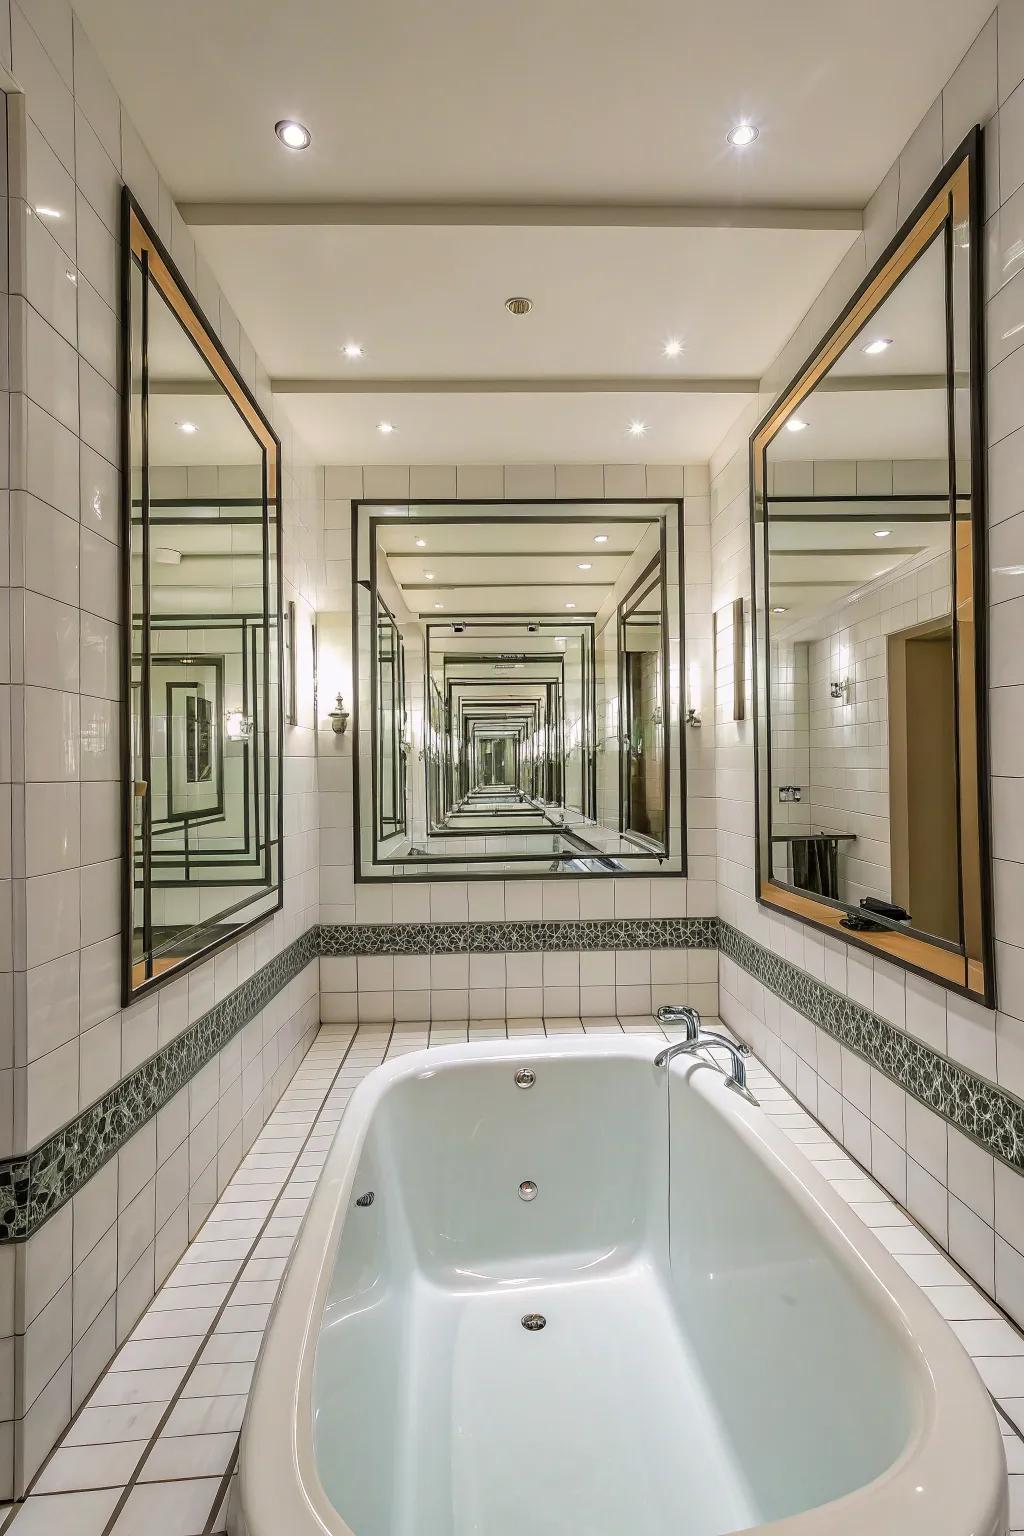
{"x": 338, "y": 717}
{"x": 841, "y": 690}
{"x": 237, "y": 726}
{"x": 693, "y": 712}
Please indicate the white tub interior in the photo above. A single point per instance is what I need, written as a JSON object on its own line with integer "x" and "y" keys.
{"x": 696, "y": 1375}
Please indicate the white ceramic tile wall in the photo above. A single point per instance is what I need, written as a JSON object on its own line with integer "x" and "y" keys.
{"x": 74, "y": 1290}
{"x": 514, "y": 985}
{"x": 969, "y": 1203}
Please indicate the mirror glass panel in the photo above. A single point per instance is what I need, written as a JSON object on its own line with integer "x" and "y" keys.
{"x": 866, "y": 540}
{"x": 203, "y": 666}
{"x": 517, "y": 702}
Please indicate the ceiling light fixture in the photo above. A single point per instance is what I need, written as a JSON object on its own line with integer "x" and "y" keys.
{"x": 293, "y": 135}
{"x": 352, "y": 350}
{"x": 584, "y": 565}
{"x": 188, "y": 427}
{"x": 742, "y": 135}
{"x": 600, "y": 538}
{"x": 673, "y": 348}
{"x": 386, "y": 427}
{"x": 795, "y": 424}
{"x": 882, "y": 533}
{"x": 519, "y": 305}
{"x": 637, "y": 428}
{"x": 879, "y": 344}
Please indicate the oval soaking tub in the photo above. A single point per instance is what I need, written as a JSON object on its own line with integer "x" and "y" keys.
{"x": 683, "y": 1332}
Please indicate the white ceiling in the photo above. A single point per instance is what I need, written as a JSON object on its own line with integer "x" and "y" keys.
{"x": 574, "y": 99}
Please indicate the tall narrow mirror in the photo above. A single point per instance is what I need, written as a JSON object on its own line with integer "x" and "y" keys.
{"x": 868, "y": 531}
{"x": 202, "y": 722}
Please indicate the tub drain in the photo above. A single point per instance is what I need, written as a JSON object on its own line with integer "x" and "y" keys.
{"x": 533, "y": 1322}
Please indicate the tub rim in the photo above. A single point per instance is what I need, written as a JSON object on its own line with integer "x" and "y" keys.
{"x": 921, "y": 1493}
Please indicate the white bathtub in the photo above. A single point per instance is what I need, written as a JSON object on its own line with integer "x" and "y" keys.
{"x": 726, "y": 1346}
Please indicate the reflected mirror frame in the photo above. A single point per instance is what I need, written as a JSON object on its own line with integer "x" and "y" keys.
{"x": 953, "y": 200}
{"x": 141, "y": 244}
{"x": 368, "y": 514}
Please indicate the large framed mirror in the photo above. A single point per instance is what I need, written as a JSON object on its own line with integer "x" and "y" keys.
{"x": 517, "y": 672}
{"x": 868, "y": 530}
{"x": 201, "y": 660}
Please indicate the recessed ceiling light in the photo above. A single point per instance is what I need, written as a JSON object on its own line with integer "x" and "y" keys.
{"x": 584, "y": 565}
{"x": 352, "y": 350}
{"x": 778, "y": 610}
{"x": 742, "y": 135}
{"x": 385, "y": 427}
{"x": 188, "y": 427}
{"x": 673, "y": 348}
{"x": 570, "y": 605}
{"x": 637, "y": 428}
{"x": 48, "y": 213}
{"x": 795, "y": 424}
{"x": 428, "y": 575}
{"x": 600, "y": 538}
{"x": 882, "y": 533}
{"x": 519, "y": 305}
{"x": 421, "y": 543}
{"x": 878, "y": 345}
{"x": 293, "y": 135}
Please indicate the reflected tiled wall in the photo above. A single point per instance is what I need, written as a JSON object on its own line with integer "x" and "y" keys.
{"x": 455, "y": 987}
{"x": 971, "y": 1202}
{"x": 70, "y": 1293}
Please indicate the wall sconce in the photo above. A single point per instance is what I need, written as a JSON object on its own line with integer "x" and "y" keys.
{"x": 841, "y": 690}
{"x": 693, "y": 712}
{"x": 237, "y": 727}
{"x": 338, "y": 716}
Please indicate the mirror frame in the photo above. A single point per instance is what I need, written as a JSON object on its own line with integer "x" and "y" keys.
{"x": 954, "y": 196}
{"x": 141, "y": 243}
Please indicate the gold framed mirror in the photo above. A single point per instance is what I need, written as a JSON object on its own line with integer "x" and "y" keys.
{"x": 869, "y": 610}
{"x": 201, "y": 652}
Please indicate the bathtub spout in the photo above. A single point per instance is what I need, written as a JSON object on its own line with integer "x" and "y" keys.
{"x": 678, "y": 1013}
{"x": 736, "y": 1078}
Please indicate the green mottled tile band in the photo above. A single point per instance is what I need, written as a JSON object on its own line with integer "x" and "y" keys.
{"x": 32, "y": 1187}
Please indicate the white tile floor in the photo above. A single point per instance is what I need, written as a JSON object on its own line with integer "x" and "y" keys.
{"x": 152, "y": 1451}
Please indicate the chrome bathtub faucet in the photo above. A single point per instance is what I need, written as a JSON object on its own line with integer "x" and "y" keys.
{"x": 735, "y": 1078}
{"x": 679, "y": 1013}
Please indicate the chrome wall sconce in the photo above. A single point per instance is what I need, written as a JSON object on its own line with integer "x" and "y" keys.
{"x": 841, "y": 690}
{"x": 338, "y": 717}
{"x": 693, "y": 719}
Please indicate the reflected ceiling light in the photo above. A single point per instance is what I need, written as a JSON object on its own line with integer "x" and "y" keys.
{"x": 293, "y": 135}
{"x": 439, "y": 605}
{"x": 72, "y": 277}
{"x": 673, "y": 348}
{"x": 385, "y": 427}
{"x": 421, "y": 543}
{"x": 188, "y": 427}
{"x": 882, "y": 533}
{"x": 795, "y": 424}
{"x": 584, "y": 565}
{"x": 878, "y": 345}
{"x": 428, "y": 575}
{"x": 778, "y": 610}
{"x": 742, "y": 135}
{"x": 637, "y": 428}
{"x": 600, "y": 538}
{"x": 48, "y": 213}
{"x": 570, "y": 605}
{"x": 352, "y": 350}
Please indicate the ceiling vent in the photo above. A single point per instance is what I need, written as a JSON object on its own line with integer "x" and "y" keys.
{"x": 519, "y": 306}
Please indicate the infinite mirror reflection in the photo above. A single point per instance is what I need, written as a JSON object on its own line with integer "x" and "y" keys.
{"x": 204, "y": 730}
{"x": 518, "y": 671}
{"x": 859, "y": 598}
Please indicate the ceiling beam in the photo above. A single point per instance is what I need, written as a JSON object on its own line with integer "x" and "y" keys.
{"x": 566, "y": 385}
{"x": 510, "y": 215}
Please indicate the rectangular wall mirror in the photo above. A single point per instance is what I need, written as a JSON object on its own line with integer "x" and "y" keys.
{"x": 201, "y": 665}
{"x": 517, "y": 699}
{"x": 869, "y": 594}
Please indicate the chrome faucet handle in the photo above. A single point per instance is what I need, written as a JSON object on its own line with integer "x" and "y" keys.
{"x": 735, "y": 1078}
{"x": 679, "y": 1013}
